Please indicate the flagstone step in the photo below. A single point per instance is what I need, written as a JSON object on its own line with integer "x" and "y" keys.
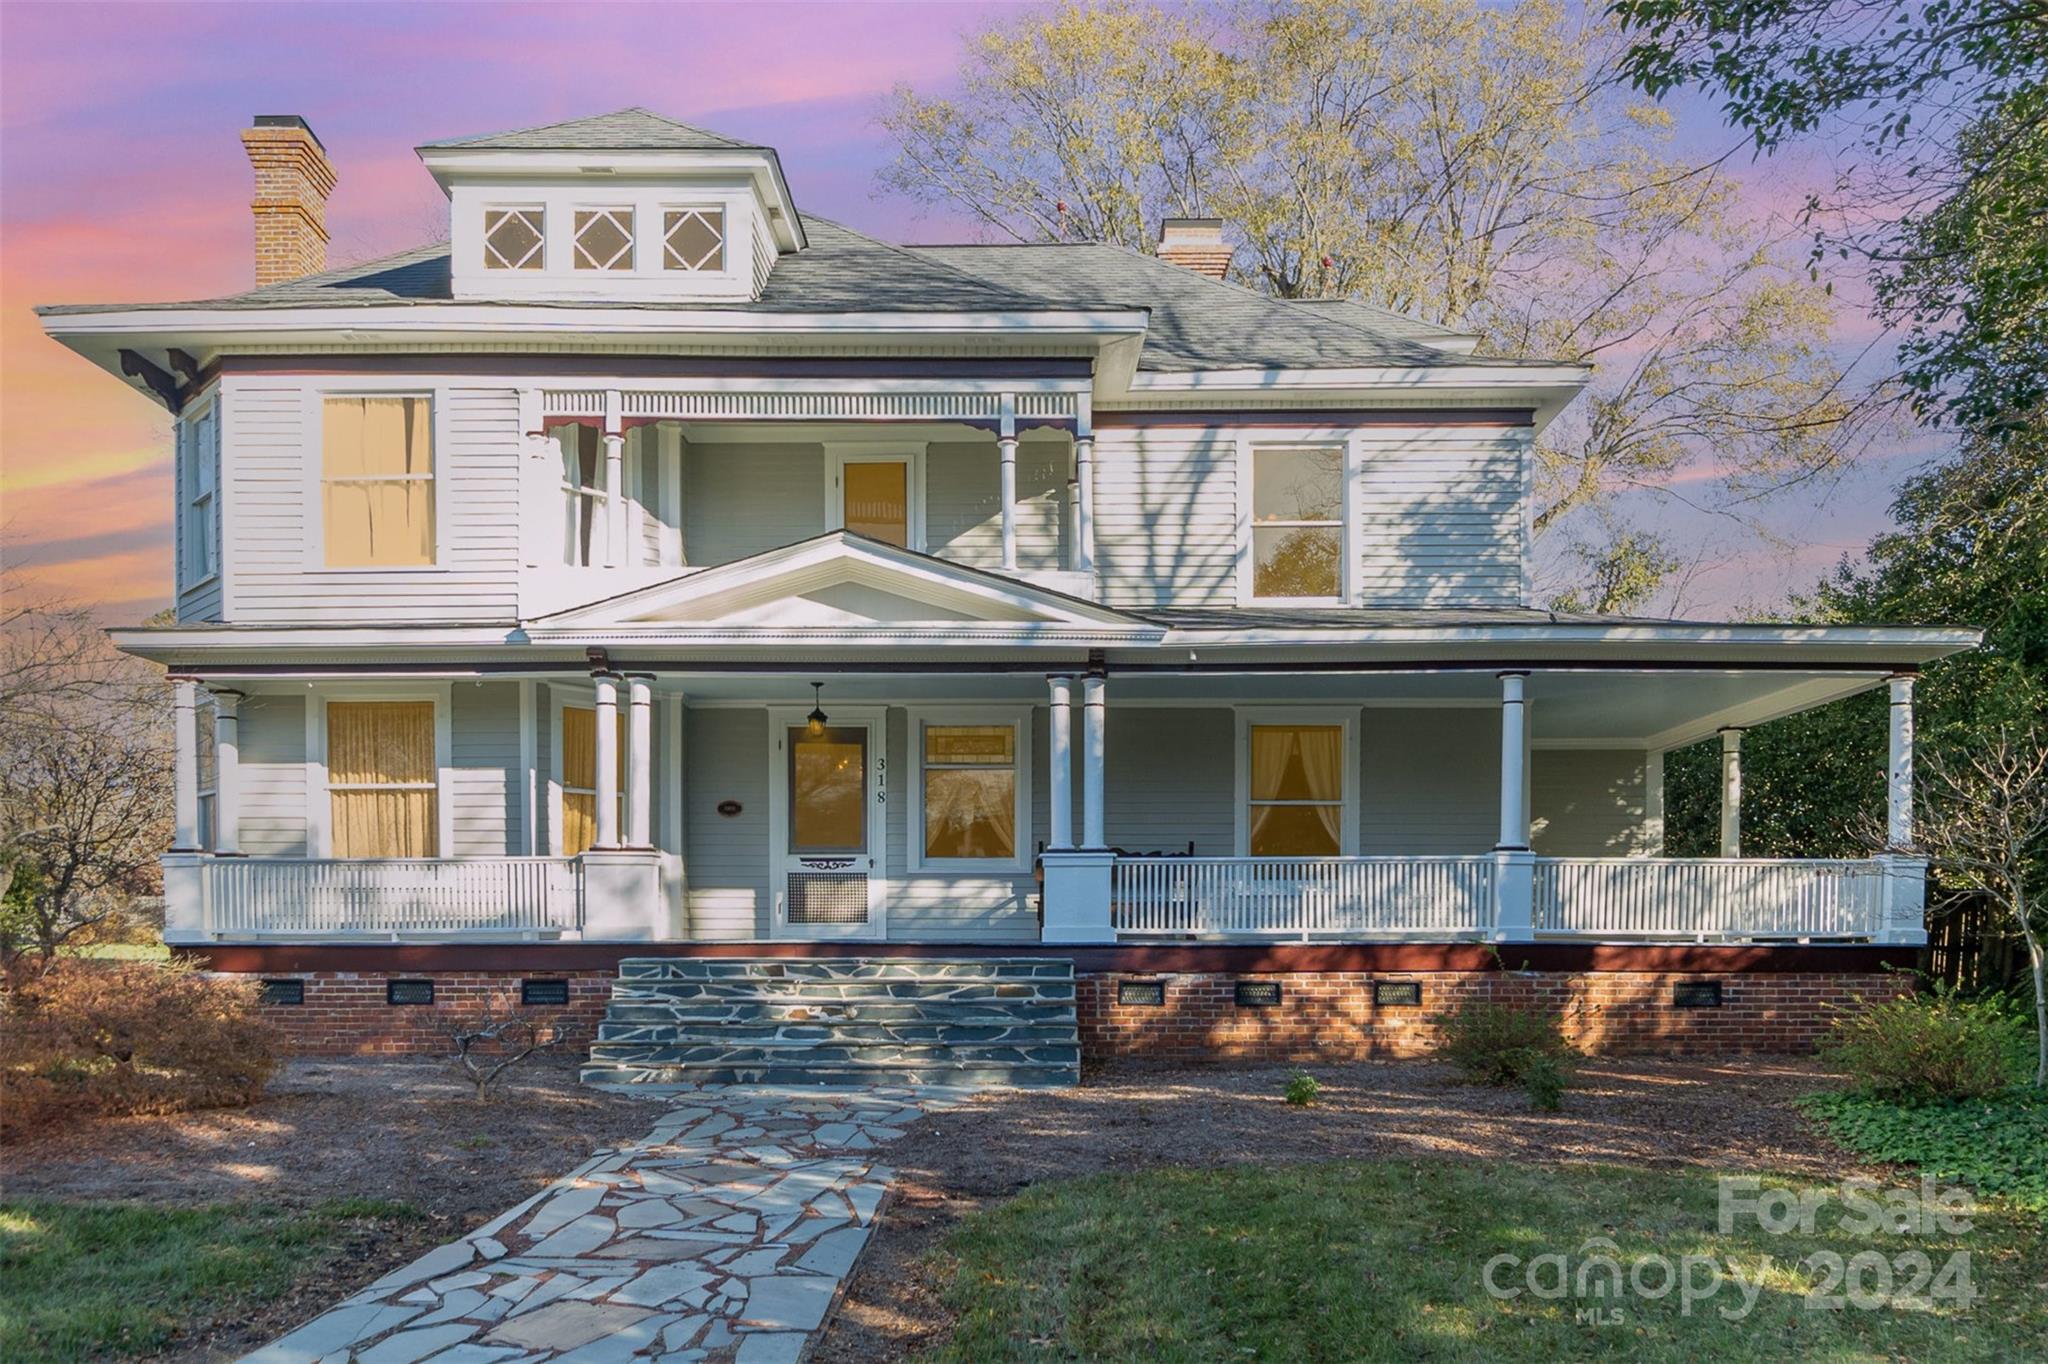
{"x": 839, "y": 1020}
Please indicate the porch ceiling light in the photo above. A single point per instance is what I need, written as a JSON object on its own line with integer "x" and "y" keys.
{"x": 814, "y": 723}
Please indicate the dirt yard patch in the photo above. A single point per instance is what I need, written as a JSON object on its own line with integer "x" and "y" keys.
{"x": 392, "y": 1130}
{"x": 1646, "y": 1113}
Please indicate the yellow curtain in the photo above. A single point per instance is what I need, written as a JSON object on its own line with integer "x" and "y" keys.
{"x": 377, "y": 462}
{"x": 1303, "y": 767}
{"x": 579, "y": 778}
{"x": 878, "y": 500}
{"x": 380, "y": 764}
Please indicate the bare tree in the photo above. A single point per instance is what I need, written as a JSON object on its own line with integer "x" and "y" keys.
{"x": 488, "y": 1046}
{"x": 1984, "y": 828}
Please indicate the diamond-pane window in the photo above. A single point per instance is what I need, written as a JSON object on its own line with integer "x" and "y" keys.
{"x": 604, "y": 239}
{"x": 693, "y": 239}
{"x": 513, "y": 237}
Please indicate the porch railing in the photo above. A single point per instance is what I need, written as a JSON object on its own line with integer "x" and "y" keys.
{"x": 390, "y": 897}
{"x": 1302, "y": 897}
{"x": 1700, "y": 899}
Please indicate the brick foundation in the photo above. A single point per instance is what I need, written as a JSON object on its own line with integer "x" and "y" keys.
{"x": 346, "y": 1013}
{"x": 1331, "y": 1015}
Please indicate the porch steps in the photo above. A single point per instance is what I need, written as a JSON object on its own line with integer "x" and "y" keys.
{"x": 959, "y": 1021}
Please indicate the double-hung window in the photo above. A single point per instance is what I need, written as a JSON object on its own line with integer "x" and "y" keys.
{"x": 377, "y": 482}
{"x": 208, "y": 755}
{"x": 584, "y": 495}
{"x": 200, "y": 471}
{"x": 1295, "y": 788}
{"x": 382, "y": 781}
{"x": 1297, "y": 523}
{"x": 973, "y": 799}
{"x": 579, "y": 778}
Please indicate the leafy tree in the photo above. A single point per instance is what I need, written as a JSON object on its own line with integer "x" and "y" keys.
{"x": 1478, "y": 166}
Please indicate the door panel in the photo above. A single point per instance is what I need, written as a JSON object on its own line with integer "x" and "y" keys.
{"x": 827, "y": 872}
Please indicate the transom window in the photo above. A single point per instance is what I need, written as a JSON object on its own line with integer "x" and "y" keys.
{"x": 513, "y": 238}
{"x": 970, "y": 793}
{"x": 381, "y": 779}
{"x": 1296, "y": 791}
{"x": 604, "y": 239}
{"x": 1297, "y": 546}
{"x": 693, "y": 239}
{"x": 584, "y": 495}
{"x": 377, "y": 482}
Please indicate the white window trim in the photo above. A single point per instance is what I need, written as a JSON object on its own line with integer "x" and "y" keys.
{"x": 206, "y": 714}
{"x": 560, "y": 698}
{"x": 198, "y": 484}
{"x": 613, "y": 209}
{"x": 599, "y": 494}
{"x": 320, "y": 814}
{"x": 315, "y": 521}
{"x": 1248, "y": 442}
{"x": 910, "y": 454}
{"x": 1247, "y": 716}
{"x": 484, "y": 239}
{"x": 659, "y": 264}
{"x": 1019, "y": 716}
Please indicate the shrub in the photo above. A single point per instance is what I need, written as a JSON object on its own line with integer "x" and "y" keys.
{"x": 1545, "y": 1080}
{"x": 1302, "y": 1089}
{"x": 1497, "y": 1044}
{"x": 1926, "y": 1048}
{"x": 90, "y": 1037}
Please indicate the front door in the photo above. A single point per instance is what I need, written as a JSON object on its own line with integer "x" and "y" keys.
{"x": 875, "y": 499}
{"x": 827, "y": 871}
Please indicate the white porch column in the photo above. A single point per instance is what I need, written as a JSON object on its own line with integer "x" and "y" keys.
{"x": 1731, "y": 793}
{"x": 614, "y": 482}
{"x": 227, "y": 773}
{"x": 1084, "y": 490}
{"x": 184, "y": 765}
{"x": 607, "y": 760}
{"x": 1899, "y": 770}
{"x": 1092, "y": 718}
{"x": 1514, "y": 749}
{"x": 1060, "y": 764}
{"x": 639, "y": 761}
{"x": 1006, "y": 442}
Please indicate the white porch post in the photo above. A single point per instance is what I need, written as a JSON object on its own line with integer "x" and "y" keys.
{"x": 1006, "y": 442}
{"x": 1092, "y": 718}
{"x": 639, "y": 761}
{"x": 1060, "y": 764}
{"x": 1731, "y": 793}
{"x": 227, "y": 773}
{"x": 1084, "y": 490}
{"x": 1899, "y": 770}
{"x": 1514, "y": 866}
{"x": 607, "y": 760}
{"x": 614, "y": 482}
{"x": 1078, "y": 881}
{"x": 185, "y": 765}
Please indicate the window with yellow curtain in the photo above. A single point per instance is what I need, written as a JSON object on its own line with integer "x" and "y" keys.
{"x": 970, "y": 792}
{"x": 377, "y": 482}
{"x": 579, "y": 778}
{"x": 1297, "y": 790}
{"x": 381, "y": 778}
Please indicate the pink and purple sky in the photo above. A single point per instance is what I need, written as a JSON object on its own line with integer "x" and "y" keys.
{"x": 122, "y": 179}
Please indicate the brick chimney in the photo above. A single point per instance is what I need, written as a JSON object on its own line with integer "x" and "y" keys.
{"x": 293, "y": 180}
{"x": 1196, "y": 243}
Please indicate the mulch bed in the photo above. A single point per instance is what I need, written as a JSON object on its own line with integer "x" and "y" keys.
{"x": 1737, "y": 1113}
{"x": 392, "y": 1129}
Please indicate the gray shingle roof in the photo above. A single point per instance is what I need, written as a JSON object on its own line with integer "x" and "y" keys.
{"x": 634, "y": 129}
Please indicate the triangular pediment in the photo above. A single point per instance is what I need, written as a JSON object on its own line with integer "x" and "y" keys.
{"x": 837, "y": 581}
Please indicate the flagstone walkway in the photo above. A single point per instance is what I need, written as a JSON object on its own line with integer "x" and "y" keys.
{"x": 724, "y": 1234}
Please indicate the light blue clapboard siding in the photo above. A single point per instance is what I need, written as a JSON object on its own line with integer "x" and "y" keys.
{"x": 1166, "y": 517}
{"x": 273, "y": 754}
{"x": 727, "y": 856}
{"x": 487, "y": 781}
{"x": 1587, "y": 803}
{"x": 1168, "y": 777}
{"x": 1429, "y": 781}
{"x": 963, "y": 514}
{"x": 1441, "y": 520}
{"x": 743, "y": 499}
{"x": 273, "y": 451}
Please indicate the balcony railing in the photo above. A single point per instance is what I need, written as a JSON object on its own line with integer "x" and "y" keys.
{"x": 511, "y": 897}
{"x": 1302, "y": 897}
{"x": 1707, "y": 899}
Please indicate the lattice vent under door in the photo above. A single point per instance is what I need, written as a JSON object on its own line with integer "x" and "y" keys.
{"x": 832, "y": 897}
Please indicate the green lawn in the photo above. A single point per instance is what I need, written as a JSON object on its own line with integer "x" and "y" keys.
{"x": 1370, "y": 1260}
{"x": 114, "y": 1280}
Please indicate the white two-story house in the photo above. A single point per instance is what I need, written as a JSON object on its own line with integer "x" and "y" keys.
{"x": 650, "y": 568}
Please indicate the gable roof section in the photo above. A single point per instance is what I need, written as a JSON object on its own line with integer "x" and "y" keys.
{"x": 843, "y": 585}
{"x": 633, "y": 129}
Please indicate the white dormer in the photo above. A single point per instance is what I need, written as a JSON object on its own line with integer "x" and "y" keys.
{"x": 628, "y": 207}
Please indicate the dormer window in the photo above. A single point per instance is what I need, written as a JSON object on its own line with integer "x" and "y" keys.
{"x": 513, "y": 238}
{"x": 693, "y": 239}
{"x": 604, "y": 239}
